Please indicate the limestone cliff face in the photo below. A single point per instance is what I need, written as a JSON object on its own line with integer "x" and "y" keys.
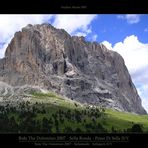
{"x": 44, "y": 56}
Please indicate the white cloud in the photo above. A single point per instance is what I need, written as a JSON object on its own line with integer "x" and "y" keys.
{"x": 130, "y": 18}
{"x": 135, "y": 54}
{"x": 107, "y": 44}
{"x": 141, "y": 76}
{"x": 12, "y": 23}
{"x": 74, "y": 23}
{"x": 142, "y": 95}
{"x": 145, "y": 103}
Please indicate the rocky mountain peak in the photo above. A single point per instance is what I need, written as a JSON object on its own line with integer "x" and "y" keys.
{"x": 43, "y": 56}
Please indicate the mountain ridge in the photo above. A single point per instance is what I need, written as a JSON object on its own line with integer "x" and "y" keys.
{"x": 41, "y": 55}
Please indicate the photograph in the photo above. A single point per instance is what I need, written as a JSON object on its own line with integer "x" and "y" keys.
{"x": 74, "y": 79}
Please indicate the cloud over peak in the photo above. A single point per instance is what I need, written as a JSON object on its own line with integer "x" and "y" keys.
{"x": 73, "y": 24}
{"x": 12, "y": 23}
{"x": 135, "y": 54}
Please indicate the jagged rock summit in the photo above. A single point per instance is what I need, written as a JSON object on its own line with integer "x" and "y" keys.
{"x": 43, "y": 56}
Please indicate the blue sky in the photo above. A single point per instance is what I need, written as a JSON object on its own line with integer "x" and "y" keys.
{"x": 126, "y": 34}
{"x": 115, "y": 29}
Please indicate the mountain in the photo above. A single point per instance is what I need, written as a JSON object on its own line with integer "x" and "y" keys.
{"x": 41, "y": 57}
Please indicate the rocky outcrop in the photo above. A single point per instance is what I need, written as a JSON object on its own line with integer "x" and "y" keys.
{"x": 44, "y": 56}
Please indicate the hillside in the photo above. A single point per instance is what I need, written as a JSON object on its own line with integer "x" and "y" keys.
{"x": 51, "y": 113}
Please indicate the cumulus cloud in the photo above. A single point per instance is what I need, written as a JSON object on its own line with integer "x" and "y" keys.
{"x": 133, "y": 51}
{"x": 74, "y": 23}
{"x": 107, "y": 44}
{"x": 135, "y": 54}
{"x": 130, "y": 18}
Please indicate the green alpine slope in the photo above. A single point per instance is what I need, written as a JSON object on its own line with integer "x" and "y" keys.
{"x": 51, "y": 113}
